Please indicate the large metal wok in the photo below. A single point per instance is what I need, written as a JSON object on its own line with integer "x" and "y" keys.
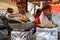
{"x": 20, "y": 26}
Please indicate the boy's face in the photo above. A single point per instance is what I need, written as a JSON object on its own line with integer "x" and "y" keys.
{"x": 21, "y": 8}
{"x": 39, "y": 13}
{"x": 47, "y": 12}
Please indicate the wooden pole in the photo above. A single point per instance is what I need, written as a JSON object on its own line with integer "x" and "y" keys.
{"x": 26, "y": 4}
{"x": 34, "y": 6}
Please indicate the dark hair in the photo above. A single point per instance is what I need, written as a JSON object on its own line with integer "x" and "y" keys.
{"x": 21, "y": 4}
{"x": 9, "y": 8}
{"x": 39, "y": 10}
{"x": 46, "y": 7}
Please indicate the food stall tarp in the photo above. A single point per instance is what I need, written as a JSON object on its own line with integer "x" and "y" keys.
{"x": 55, "y": 9}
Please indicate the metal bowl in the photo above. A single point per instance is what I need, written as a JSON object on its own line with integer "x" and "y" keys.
{"x": 20, "y": 26}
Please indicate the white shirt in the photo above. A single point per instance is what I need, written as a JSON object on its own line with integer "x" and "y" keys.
{"x": 56, "y": 20}
{"x": 30, "y": 17}
{"x": 46, "y": 21}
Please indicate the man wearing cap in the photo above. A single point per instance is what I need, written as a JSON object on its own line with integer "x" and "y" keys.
{"x": 22, "y": 10}
{"x": 50, "y": 18}
{"x": 47, "y": 13}
{"x": 23, "y": 16}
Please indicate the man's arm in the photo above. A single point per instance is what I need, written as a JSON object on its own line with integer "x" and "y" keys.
{"x": 8, "y": 17}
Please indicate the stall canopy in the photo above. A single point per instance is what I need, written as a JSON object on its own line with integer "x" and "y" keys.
{"x": 55, "y": 9}
{"x": 44, "y": 0}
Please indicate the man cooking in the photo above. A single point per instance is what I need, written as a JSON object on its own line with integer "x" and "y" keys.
{"x": 22, "y": 16}
{"x": 50, "y": 18}
{"x": 22, "y": 10}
